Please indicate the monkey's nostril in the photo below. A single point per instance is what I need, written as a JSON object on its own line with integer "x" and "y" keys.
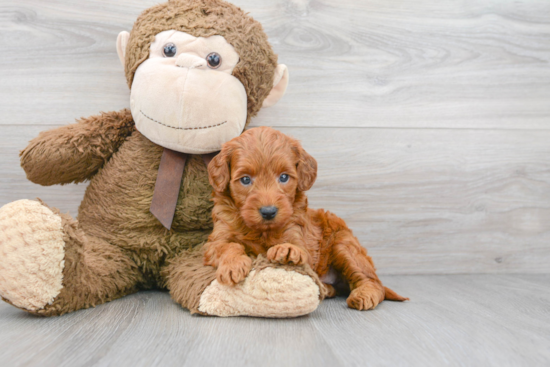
{"x": 268, "y": 212}
{"x": 190, "y": 61}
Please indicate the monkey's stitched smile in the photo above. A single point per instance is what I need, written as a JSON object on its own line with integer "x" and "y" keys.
{"x": 183, "y": 128}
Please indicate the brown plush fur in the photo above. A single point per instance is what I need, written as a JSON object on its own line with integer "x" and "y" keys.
{"x": 204, "y": 18}
{"x": 117, "y": 246}
{"x": 127, "y": 246}
{"x": 91, "y": 143}
{"x": 95, "y": 271}
{"x": 297, "y": 234}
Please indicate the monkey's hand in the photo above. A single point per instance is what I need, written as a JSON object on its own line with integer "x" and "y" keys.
{"x": 74, "y": 153}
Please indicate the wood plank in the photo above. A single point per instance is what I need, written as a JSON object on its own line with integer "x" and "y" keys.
{"x": 464, "y": 320}
{"x": 447, "y": 64}
{"x": 452, "y": 320}
{"x": 428, "y": 201}
{"x": 438, "y": 201}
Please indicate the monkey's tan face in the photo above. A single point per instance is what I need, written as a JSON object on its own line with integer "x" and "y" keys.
{"x": 184, "y": 97}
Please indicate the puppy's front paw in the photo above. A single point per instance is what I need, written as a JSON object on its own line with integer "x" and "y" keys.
{"x": 287, "y": 253}
{"x": 365, "y": 298}
{"x": 234, "y": 270}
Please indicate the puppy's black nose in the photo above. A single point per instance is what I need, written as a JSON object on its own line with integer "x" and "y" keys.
{"x": 268, "y": 212}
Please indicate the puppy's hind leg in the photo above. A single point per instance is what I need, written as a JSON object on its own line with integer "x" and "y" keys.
{"x": 351, "y": 259}
{"x": 331, "y": 292}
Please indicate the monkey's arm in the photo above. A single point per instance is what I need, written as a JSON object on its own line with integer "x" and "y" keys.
{"x": 74, "y": 153}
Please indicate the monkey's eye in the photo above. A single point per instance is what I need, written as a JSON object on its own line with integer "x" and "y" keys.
{"x": 214, "y": 60}
{"x": 283, "y": 178}
{"x": 246, "y": 180}
{"x": 170, "y": 50}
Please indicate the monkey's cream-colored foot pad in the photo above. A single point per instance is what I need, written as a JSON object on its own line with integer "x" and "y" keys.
{"x": 271, "y": 292}
{"x": 31, "y": 254}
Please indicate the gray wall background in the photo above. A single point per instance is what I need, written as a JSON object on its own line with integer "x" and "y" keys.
{"x": 430, "y": 120}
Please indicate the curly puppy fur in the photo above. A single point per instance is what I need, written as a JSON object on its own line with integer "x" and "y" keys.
{"x": 205, "y": 18}
{"x": 296, "y": 234}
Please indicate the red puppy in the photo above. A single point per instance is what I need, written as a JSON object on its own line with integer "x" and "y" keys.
{"x": 260, "y": 207}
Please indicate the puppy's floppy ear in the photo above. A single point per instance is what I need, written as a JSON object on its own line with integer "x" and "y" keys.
{"x": 218, "y": 170}
{"x": 307, "y": 169}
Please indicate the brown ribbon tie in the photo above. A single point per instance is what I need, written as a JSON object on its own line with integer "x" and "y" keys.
{"x": 206, "y": 158}
{"x": 168, "y": 184}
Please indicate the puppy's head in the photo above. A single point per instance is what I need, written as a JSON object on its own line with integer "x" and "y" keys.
{"x": 262, "y": 171}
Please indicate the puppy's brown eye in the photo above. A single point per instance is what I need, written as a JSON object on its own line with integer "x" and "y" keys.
{"x": 170, "y": 50}
{"x": 246, "y": 180}
{"x": 214, "y": 60}
{"x": 283, "y": 178}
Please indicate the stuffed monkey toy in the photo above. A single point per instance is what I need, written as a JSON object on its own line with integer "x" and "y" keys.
{"x": 198, "y": 70}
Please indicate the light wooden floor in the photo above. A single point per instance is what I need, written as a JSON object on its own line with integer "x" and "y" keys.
{"x": 452, "y": 320}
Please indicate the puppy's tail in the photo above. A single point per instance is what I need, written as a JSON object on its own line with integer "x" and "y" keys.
{"x": 392, "y": 296}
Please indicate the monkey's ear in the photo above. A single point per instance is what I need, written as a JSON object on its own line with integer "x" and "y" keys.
{"x": 218, "y": 171}
{"x": 121, "y": 43}
{"x": 307, "y": 170}
{"x": 280, "y": 82}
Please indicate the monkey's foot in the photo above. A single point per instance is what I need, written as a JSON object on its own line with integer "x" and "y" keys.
{"x": 269, "y": 292}
{"x": 31, "y": 254}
